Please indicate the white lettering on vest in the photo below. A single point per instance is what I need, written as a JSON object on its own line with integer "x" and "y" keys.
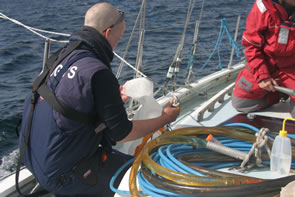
{"x": 56, "y": 70}
{"x": 72, "y": 72}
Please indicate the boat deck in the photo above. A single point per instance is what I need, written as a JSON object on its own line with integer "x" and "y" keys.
{"x": 272, "y": 116}
{"x": 224, "y": 110}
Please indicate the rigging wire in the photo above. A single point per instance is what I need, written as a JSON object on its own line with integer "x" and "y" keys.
{"x": 128, "y": 64}
{"x": 36, "y": 30}
{"x": 129, "y": 42}
{"x": 169, "y": 25}
{"x": 189, "y": 69}
{"x": 223, "y": 29}
{"x": 138, "y": 63}
{"x": 174, "y": 67}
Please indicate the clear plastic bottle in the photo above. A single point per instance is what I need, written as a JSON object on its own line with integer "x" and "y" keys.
{"x": 281, "y": 155}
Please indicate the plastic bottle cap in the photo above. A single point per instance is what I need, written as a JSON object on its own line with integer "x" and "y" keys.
{"x": 209, "y": 138}
{"x": 283, "y": 133}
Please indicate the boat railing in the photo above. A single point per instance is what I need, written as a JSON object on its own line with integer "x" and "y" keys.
{"x": 210, "y": 104}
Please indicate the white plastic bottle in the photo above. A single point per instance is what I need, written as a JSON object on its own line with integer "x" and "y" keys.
{"x": 281, "y": 155}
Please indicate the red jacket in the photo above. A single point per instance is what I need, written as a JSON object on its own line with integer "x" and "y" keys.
{"x": 269, "y": 40}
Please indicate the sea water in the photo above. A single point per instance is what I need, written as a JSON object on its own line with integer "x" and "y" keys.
{"x": 21, "y": 52}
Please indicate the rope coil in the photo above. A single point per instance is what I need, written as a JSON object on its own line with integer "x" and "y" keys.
{"x": 261, "y": 141}
{"x": 178, "y": 164}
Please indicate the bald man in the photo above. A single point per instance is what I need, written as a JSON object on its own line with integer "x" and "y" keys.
{"x": 107, "y": 21}
{"x": 79, "y": 112}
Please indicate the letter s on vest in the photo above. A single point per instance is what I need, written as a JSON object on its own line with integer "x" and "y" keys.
{"x": 72, "y": 72}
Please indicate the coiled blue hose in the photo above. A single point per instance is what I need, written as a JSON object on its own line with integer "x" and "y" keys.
{"x": 167, "y": 157}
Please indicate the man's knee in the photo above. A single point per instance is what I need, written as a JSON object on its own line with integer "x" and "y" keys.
{"x": 292, "y": 108}
{"x": 246, "y": 105}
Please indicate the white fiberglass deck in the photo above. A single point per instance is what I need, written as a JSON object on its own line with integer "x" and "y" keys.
{"x": 222, "y": 112}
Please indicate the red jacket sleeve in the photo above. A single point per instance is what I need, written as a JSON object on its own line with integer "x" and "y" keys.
{"x": 253, "y": 40}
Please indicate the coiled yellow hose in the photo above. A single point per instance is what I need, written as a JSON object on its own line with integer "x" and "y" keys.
{"x": 188, "y": 136}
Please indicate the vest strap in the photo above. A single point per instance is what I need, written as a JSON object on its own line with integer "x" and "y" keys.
{"x": 22, "y": 152}
{"x": 59, "y": 106}
{"x": 52, "y": 62}
{"x": 40, "y": 86}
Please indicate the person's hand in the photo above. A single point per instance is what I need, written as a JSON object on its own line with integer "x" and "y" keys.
{"x": 169, "y": 112}
{"x": 123, "y": 96}
{"x": 268, "y": 84}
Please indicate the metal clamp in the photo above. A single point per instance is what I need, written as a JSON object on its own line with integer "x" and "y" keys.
{"x": 176, "y": 102}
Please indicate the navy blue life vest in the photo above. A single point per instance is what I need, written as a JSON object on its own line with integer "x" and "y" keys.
{"x": 59, "y": 142}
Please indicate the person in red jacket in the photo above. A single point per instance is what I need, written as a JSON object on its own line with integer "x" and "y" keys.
{"x": 269, "y": 41}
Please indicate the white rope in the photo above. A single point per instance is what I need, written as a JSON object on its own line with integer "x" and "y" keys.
{"x": 34, "y": 30}
{"x": 118, "y": 56}
{"x": 261, "y": 141}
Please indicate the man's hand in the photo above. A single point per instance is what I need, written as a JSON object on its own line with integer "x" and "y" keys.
{"x": 169, "y": 112}
{"x": 123, "y": 96}
{"x": 267, "y": 84}
{"x": 145, "y": 127}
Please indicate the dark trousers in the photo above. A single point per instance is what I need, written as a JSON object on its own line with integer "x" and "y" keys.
{"x": 105, "y": 171}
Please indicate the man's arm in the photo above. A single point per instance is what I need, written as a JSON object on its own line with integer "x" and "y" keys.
{"x": 254, "y": 40}
{"x": 110, "y": 107}
{"x": 142, "y": 128}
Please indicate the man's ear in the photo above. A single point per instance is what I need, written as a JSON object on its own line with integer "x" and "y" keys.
{"x": 107, "y": 33}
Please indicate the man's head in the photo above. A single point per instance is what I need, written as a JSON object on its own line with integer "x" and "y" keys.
{"x": 107, "y": 20}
